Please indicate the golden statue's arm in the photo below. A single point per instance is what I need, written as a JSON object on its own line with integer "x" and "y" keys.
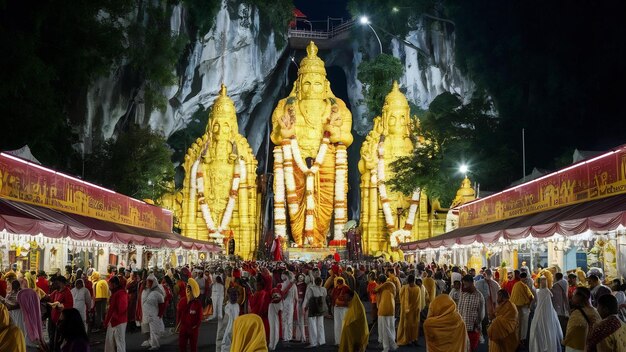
{"x": 277, "y": 121}
{"x": 340, "y": 124}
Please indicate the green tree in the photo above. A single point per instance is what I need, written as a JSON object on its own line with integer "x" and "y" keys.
{"x": 451, "y": 134}
{"x": 137, "y": 163}
{"x": 377, "y": 77}
{"x": 57, "y": 48}
{"x": 275, "y": 15}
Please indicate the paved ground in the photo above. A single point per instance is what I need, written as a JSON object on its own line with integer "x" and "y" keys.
{"x": 206, "y": 343}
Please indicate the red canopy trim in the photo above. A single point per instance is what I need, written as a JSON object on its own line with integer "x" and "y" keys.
{"x": 27, "y": 219}
{"x": 297, "y": 13}
{"x": 599, "y": 215}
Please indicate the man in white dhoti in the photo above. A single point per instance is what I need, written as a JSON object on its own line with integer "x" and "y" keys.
{"x": 217, "y": 298}
{"x": 151, "y": 322}
{"x": 275, "y": 307}
{"x": 290, "y": 298}
{"x": 545, "y": 330}
{"x": 231, "y": 312}
{"x": 82, "y": 300}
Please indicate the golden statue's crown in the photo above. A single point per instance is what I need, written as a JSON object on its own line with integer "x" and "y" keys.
{"x": 311, "y": 63}
{"x": 395, "y": 99}
{"x": 223, "y": 104}
{"x": 223, "y": 108}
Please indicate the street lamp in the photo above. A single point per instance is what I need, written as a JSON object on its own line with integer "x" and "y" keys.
{"x": 464, "y": 169}
{"x": 365, "y": 21}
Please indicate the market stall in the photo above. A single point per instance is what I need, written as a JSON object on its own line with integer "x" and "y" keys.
{"x": 575, "y": 217}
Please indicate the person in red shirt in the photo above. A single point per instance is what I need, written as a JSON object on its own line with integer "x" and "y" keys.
{"x": 60, "y": 299}
{"x": 116, "y": 317}
{"x": 572, "y": 285}
{"x": 42, "y": 282}
{"x": 508, "y": 286}
{"x": 260, "y": 302}
{"x": 168, "y": 298}
{"x": 189, "y": 312}
{"x": 3, "y": 286}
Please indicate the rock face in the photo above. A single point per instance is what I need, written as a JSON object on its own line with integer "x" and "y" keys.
{"x": 235, "y": 52}
{"x": 239, "y": 52}
{"x": 431, "y": 69}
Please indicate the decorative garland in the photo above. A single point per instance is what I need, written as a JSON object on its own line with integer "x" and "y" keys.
{"x": 378, "y": 178}
{"x": 198, "y": 181}
{"x": 280, "y": 216}
{"x": 341, "y": 174}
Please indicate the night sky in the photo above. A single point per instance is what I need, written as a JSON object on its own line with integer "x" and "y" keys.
{"x": 319, "y": 10}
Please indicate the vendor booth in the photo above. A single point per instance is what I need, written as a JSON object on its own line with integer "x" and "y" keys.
{"x": 49, "y": 220}
{"x": 572, "y": 218}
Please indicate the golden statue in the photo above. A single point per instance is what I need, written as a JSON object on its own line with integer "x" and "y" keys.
{"x": 464, "y": 194}
{"x": 219, "y": 191}
{"x": 311, "y": 129}
{"x": 173, "y": 201}
{"x": 389, "y": 217}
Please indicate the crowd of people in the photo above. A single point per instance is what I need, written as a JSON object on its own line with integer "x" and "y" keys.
{"x": 260, "y": 305}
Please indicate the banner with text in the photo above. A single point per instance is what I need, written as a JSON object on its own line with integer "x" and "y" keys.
{"x": 596, "y": 178}
{"x": 24, "y": 181}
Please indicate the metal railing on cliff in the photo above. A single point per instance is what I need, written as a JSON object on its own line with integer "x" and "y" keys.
{"x": 299, "y": 37}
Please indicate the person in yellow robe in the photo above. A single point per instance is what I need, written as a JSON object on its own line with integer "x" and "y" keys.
{"x": 419, "y": 284}
{"x": 354, "y": 334}
{"x": 522, "y": 297}
{"x": 408, "y": 328}
{"x": 444, "y": 329}
{"x": 386, "y": 304}
{"x": 430, "y": 285}
{"x": 248, "y": 334}
{"x": 11, "y": 337}
{"x": 503, "y": 329}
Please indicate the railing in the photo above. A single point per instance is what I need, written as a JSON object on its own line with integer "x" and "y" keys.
{"x": 303, "y": 33}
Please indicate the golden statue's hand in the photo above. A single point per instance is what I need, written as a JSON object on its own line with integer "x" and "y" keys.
{"x": 287, "y": 123}
{"x": 333, "y": 125}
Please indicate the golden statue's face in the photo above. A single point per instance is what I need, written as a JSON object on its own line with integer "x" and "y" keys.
{"x": 312, "y": 86}
{"x": 397, "y": 120}
{"x": 221, "y": 129}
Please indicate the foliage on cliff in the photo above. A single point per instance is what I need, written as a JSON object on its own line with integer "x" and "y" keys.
{"x": 553, "y": 67}
{"x": 137, "y": 163}
{"x": 377, "y": 77}
{"x": 452, "y": 134}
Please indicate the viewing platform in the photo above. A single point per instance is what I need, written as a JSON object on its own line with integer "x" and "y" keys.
{"x": 324, "y": 39}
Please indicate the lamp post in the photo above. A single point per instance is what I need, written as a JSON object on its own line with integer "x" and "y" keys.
{"x": 463, "y": 169}
{"x": 364, "y": 20}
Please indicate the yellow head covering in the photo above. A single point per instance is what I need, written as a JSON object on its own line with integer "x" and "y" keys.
{"x": 195, "y": 289}
{"x": 248, "y": 334}
{"x": 11, "y": 337}
{"x": 95, "y": 276}
{"x": 10, "y": 276}
{"x": 355, "y": 334}
{"x": 444, "y": 328}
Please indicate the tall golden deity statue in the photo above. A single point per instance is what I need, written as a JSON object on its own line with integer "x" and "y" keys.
{"x": 389, "y": 217}
{"x": 311, "y": 129}
{"x": 219, "y": 196}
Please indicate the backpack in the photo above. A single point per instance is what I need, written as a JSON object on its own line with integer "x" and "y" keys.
{"x": 316, "y": 306}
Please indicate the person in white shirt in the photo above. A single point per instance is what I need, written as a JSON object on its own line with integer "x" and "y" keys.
{"x": 315, "y": 309}
{"x": 231, "y": 312}
{"x": 290, "y": 298}
{"x": 82, "y": 300}
{"x": 151, "y": 323}
{"x": 545, "y": 330}
{"x": 217, "y": 297}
